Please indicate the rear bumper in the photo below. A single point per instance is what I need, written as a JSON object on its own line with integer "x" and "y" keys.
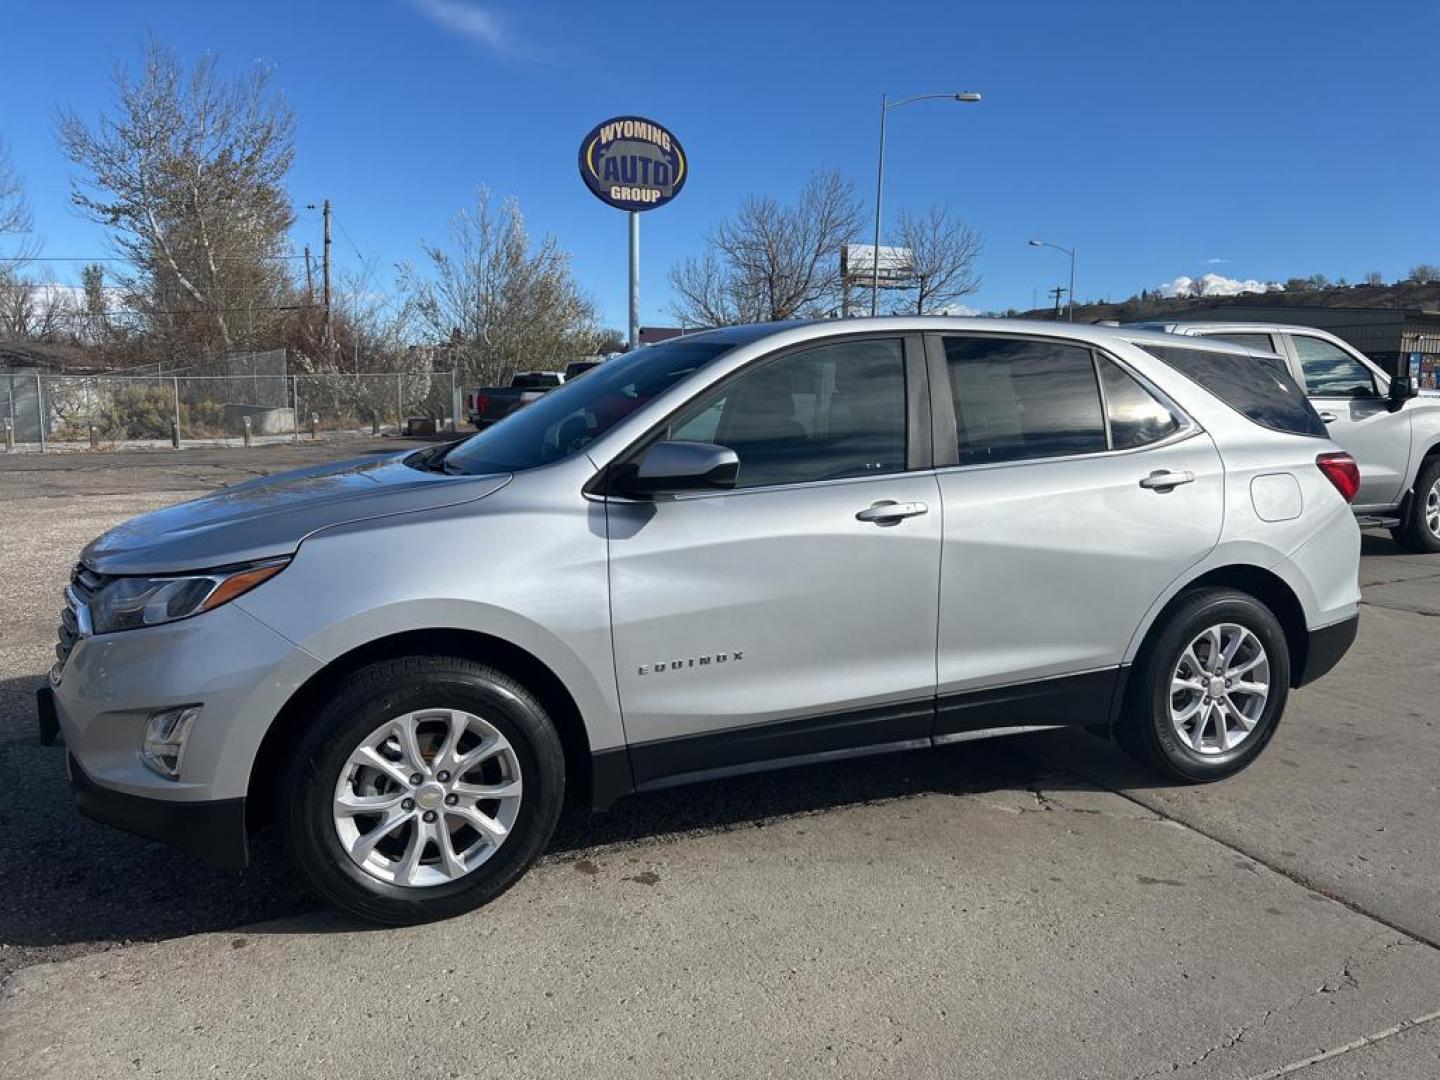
{"x": 1325, "y": 648}
{"x": 211, "y": 830}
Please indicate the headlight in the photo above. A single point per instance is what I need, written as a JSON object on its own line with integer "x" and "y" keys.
{"x": 129, "y": 603}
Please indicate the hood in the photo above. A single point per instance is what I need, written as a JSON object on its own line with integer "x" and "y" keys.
{"x": 270, "y": 516}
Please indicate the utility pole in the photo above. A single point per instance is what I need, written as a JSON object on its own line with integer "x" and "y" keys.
{"x": 325, "y": 275}
{"x": 1057, "y": 292}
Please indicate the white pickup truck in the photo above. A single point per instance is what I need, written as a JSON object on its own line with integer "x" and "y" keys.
{"x": 1390, "y": 427}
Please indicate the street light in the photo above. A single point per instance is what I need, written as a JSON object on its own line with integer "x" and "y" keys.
{"x": 1069, "y": 307}
{"x": 885, "y": 107}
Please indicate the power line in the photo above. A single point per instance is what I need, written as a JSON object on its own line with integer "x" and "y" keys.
{"x": 121, "y": 259}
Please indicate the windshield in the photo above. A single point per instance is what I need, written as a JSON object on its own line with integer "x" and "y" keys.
{"x": 569, "y": 418}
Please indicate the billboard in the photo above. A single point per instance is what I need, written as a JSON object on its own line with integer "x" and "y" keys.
{"x": 895, "y": 269}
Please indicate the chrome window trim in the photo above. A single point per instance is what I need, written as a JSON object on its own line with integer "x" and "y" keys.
{"x": 1175, "y": 437}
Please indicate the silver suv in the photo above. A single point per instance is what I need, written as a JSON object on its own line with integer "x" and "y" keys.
{"x": 1391, "y": 426}
{"x": 756, "y": 546}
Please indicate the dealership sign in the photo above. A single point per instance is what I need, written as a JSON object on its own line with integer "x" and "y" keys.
{"x": 632, "y": 163}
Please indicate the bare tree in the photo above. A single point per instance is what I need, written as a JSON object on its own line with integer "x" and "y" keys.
{"x": 1374, "y": 277}
{"x": 15, "y": 219}
{"x": 188, "y": 172}
{"x": 943, "y": 252}
{"x": 34, "y": 311}
{"x": 770, "y": 262}
{"x": 497, "y": 301}
{"x": 1424, "y": 274}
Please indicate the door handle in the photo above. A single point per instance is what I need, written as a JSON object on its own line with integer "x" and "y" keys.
{"x": 1328, "y": 417}
{"x": 889, "y": 512}
{"x": 1164, "y": 480}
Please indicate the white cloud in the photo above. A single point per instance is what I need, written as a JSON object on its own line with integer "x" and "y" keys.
{"x": 1215, "y": 262}
{"x": 466, "y": 19}
{"x": 1213, "y": 285}
{"x": 959, "y": 309}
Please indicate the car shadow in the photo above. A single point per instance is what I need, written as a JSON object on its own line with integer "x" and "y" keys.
{"x": 77, "y": 886}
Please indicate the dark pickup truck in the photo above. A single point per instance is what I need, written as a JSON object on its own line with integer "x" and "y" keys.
{"x": 487, "y": 404}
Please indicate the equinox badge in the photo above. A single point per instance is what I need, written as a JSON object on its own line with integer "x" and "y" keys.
{"x": 691, "y": 661}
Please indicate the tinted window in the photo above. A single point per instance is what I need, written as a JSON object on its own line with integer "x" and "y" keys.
{"x": 1022, "y": 399}
{"x": 1263, "y": 342}
{"x": 570, "y": 417}
{"x": 534, "y": 381}
{"x": 1262, "y": 392}
{"x": 826, "y": 413}
{"x": 1330, "y": 371}
{"x": 1136, "y": 417}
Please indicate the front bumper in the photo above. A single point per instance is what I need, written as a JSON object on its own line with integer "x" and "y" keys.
{"x": 212, "y": 830}
{"x": 240, "y": 673}
{"x": 1325, "y": 648}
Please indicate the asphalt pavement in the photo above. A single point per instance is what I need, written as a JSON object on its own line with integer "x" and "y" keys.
{"x": 1033, "y": 907}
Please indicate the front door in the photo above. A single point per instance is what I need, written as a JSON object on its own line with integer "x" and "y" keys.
{"x": 1346, "y": 394}
{"x": 1054, "y": 550}
{"x": 794, "y": 615}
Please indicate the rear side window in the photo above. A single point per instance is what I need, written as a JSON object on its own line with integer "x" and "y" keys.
{"x": 1259, "y": 391}
{"x": 1263, "y": 342}
{"x": 1136, "y": 416}
{"x": 1018, "y": 400}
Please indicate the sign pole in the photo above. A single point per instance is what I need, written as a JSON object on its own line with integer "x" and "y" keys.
{"x": 634, "y": 279}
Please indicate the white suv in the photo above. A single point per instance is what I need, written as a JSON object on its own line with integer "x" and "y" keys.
{"x": 752, "y": 547}
{"x": 1391, "y": 428}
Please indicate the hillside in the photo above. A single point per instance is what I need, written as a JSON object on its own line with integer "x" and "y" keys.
{"x": 1135, "y": 309}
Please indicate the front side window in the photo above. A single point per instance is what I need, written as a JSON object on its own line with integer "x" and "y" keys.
{"x": 1016, "y": 400}
{"x": 827, "y": 413}
{"x": 1137, "y": 417}
{"x": 1332, "y": 372}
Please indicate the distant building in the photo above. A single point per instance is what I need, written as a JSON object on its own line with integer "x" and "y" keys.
{"x": 1386, "y": 335}
{"x": 23, "y": 365}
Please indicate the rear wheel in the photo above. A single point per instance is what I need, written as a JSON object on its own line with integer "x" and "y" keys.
{"x": 424, "y": 789}
{"x": 1420, "y": 531}
{"x": 1206, "y": 695}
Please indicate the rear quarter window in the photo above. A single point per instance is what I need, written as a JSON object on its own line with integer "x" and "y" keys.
{"x": 1258, "y": 388}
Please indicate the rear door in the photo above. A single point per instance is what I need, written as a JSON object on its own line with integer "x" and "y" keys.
{"x": 1074, "y": 496}
{"x": 796, "y": 614}
{"x": 1348, "y": 396}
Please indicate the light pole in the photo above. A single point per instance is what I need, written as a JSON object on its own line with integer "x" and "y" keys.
{"x": 1069, "y": 307}
{"x": 885, "y": 106}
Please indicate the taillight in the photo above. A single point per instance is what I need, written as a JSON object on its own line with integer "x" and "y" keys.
{"x": 1341, "y": 470}
{"x": 482, "y": 403}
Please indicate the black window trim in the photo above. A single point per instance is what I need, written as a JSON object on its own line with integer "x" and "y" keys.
{"x": 942, "y": 404}
{"x": 919, "y": 412}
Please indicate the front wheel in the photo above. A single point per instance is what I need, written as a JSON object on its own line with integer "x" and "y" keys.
{"x": 425, "y": 787}
{"x": 1207, "y": 693}
{"x": 1420, "y": 531}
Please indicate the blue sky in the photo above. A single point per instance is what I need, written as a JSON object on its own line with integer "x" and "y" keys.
{"x": 1253, "y": 140}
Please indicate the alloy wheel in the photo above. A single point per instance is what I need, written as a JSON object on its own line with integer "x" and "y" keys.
{"x": 1219, "y": 688}
{"x": 427, "y": 797}
{"x": 1432, "y": 509}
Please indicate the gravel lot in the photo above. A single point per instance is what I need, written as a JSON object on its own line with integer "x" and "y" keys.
{"x": 1022, "y": 908}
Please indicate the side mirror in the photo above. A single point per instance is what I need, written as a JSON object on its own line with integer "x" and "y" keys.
{"x": 672, "y": 467}
{"x": 1402, "y": 389}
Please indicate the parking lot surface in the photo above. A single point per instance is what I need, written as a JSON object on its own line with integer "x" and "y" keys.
{"x": 1030, "y": 908}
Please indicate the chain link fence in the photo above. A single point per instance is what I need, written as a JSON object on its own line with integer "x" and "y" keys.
{"x": 70, "y": 412}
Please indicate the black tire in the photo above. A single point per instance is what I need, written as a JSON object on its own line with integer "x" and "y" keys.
{"x": 362, "y": 702}
{"x": 1414, "y": 533}
{"x": 1145, "y": 730}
